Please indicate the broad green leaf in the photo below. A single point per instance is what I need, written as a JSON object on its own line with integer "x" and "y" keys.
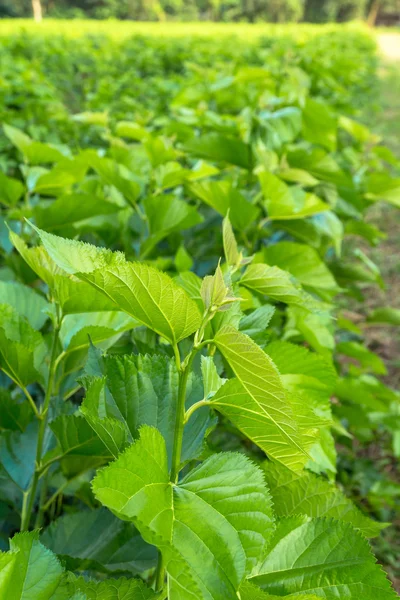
{"x": 35, "y": 153}
{"x": 385, "y": 315}
{"x": 367, "y": 231}
{"x": 316, "y": 328}
{"x": 255, "y": 401}
{"x": 214, "y": 146}
{"x": 382, "y": 186}
{"x": 304, "y": 263}
{"x": 69, "y": 209}
{"x": 11, "y": 190}
{"x": 145, "y": 293}
{"x": 282, "y": 126}
{"x": 211, "y": 380}
{"x": 17, "y": 454}
{"x": 25, "y": 301}
{"x": 248, "y": 591}
{"x": 368, "y": 360}
{"x": 310, "y": 379}
{"x": 324, "y": 557}
{"x": 222, "y": 196}
{"x": 14, "y": 414}
{"x": 79, "y": 447}
{"x": 301, "y": 369}
{"x": 204, "y": 526}
{"x": 183, "y": 260}
{"x": 319, "y": 124}
{"x": 116, "y": 175}
{"x": 22, "y": 348}
{"x": 166, "y": 214}
{"x": 34, "y": 573}
{"x": 113, "y": 589}
{"x": 284, "y": 202}
{"x": 255, "y": 323}
{"x": 308, "y": 494}
{"x": 277, "y": 285}
{"x": 323, "y": 166}
{"x": 98, "y": 541}
{"x": 98, "y": 326}
{"x": 143, "y": 390}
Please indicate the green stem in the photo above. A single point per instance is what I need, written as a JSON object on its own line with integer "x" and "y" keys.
{"x": 160, "y": 573}
{"x": 179, "y": 419}
{"x": 193, "y": 408}
{"x": 42, "y": 429}
{"x": 42, "y": 498}
{"x": 31, "y": 402}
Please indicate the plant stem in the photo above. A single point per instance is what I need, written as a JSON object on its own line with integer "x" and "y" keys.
{"x": 42, "y": 429}
{"x": 193, "y": 408}
{"x": 160, "y": 573}
{"x": 179, "y": 419}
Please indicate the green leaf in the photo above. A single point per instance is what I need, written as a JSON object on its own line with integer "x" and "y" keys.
{"x": 25, "y": 301}
{"x": 79, "y": 447}
{"x": 116, "y": 175}
{"x": 319, "y": 124}
{"x": 385, "y": 315}
{"x": 222, "y": 196}
{"x": 307, "y": 494}
{"x": 114, "y": 589}
{"x": 145, "y": 293}
{"x": 69, "y": 209}
{"x": 304, "y": 263}
{"x": 166, "y": 214}
{"x": 35, "y": 153}
{"x": 302, "y": 370}
{"x": 368, "y": 360}
{"x": 248, "y": 591}
{"x": 282, "y": 125}
{"x": 204, "y": 526}
{"x": 17, "y": 454}
{"x": 143, "y": 390}
{"x": 382, "y": 186}
{"x": 22, "y": 349}
{"x": 211, "y": 380}
{"x": 11, "y": 190}
{"x": 14, "y": 415}
{"x": 324, "y": 557}
{"x": 214, "y": 146}
{"x": 97, "y": 540}
{"x": 255, "y": 324}
{"x": 284, "y": 202}
{"x": 32, "y": 572}
{"x": 256, "y": 401}
{"x": 277, "y": 285}
{"x": 98, "y": 326}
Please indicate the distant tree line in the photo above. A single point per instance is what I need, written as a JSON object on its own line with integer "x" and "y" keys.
{"x": 278, "y": 11}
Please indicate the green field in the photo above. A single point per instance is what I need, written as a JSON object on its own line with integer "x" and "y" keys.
{"x": 198, "y": 312}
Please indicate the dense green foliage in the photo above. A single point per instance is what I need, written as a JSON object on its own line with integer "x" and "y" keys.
{"x": 277, "y": 11}
{"x": 175, "y": 363}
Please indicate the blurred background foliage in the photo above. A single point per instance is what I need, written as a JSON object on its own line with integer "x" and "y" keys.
{"x": 385, "y": 12}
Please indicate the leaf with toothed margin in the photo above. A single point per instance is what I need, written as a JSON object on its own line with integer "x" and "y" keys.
{"x": 29, "y": 571}
{"x": 137, "y": 390}
{"x": 256, "y": 401}
{"x": 211, "y": 528}
{"x": 324, "y": 557}
{"x": 145, "y": 293}
{"x": 308, "y": 494}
